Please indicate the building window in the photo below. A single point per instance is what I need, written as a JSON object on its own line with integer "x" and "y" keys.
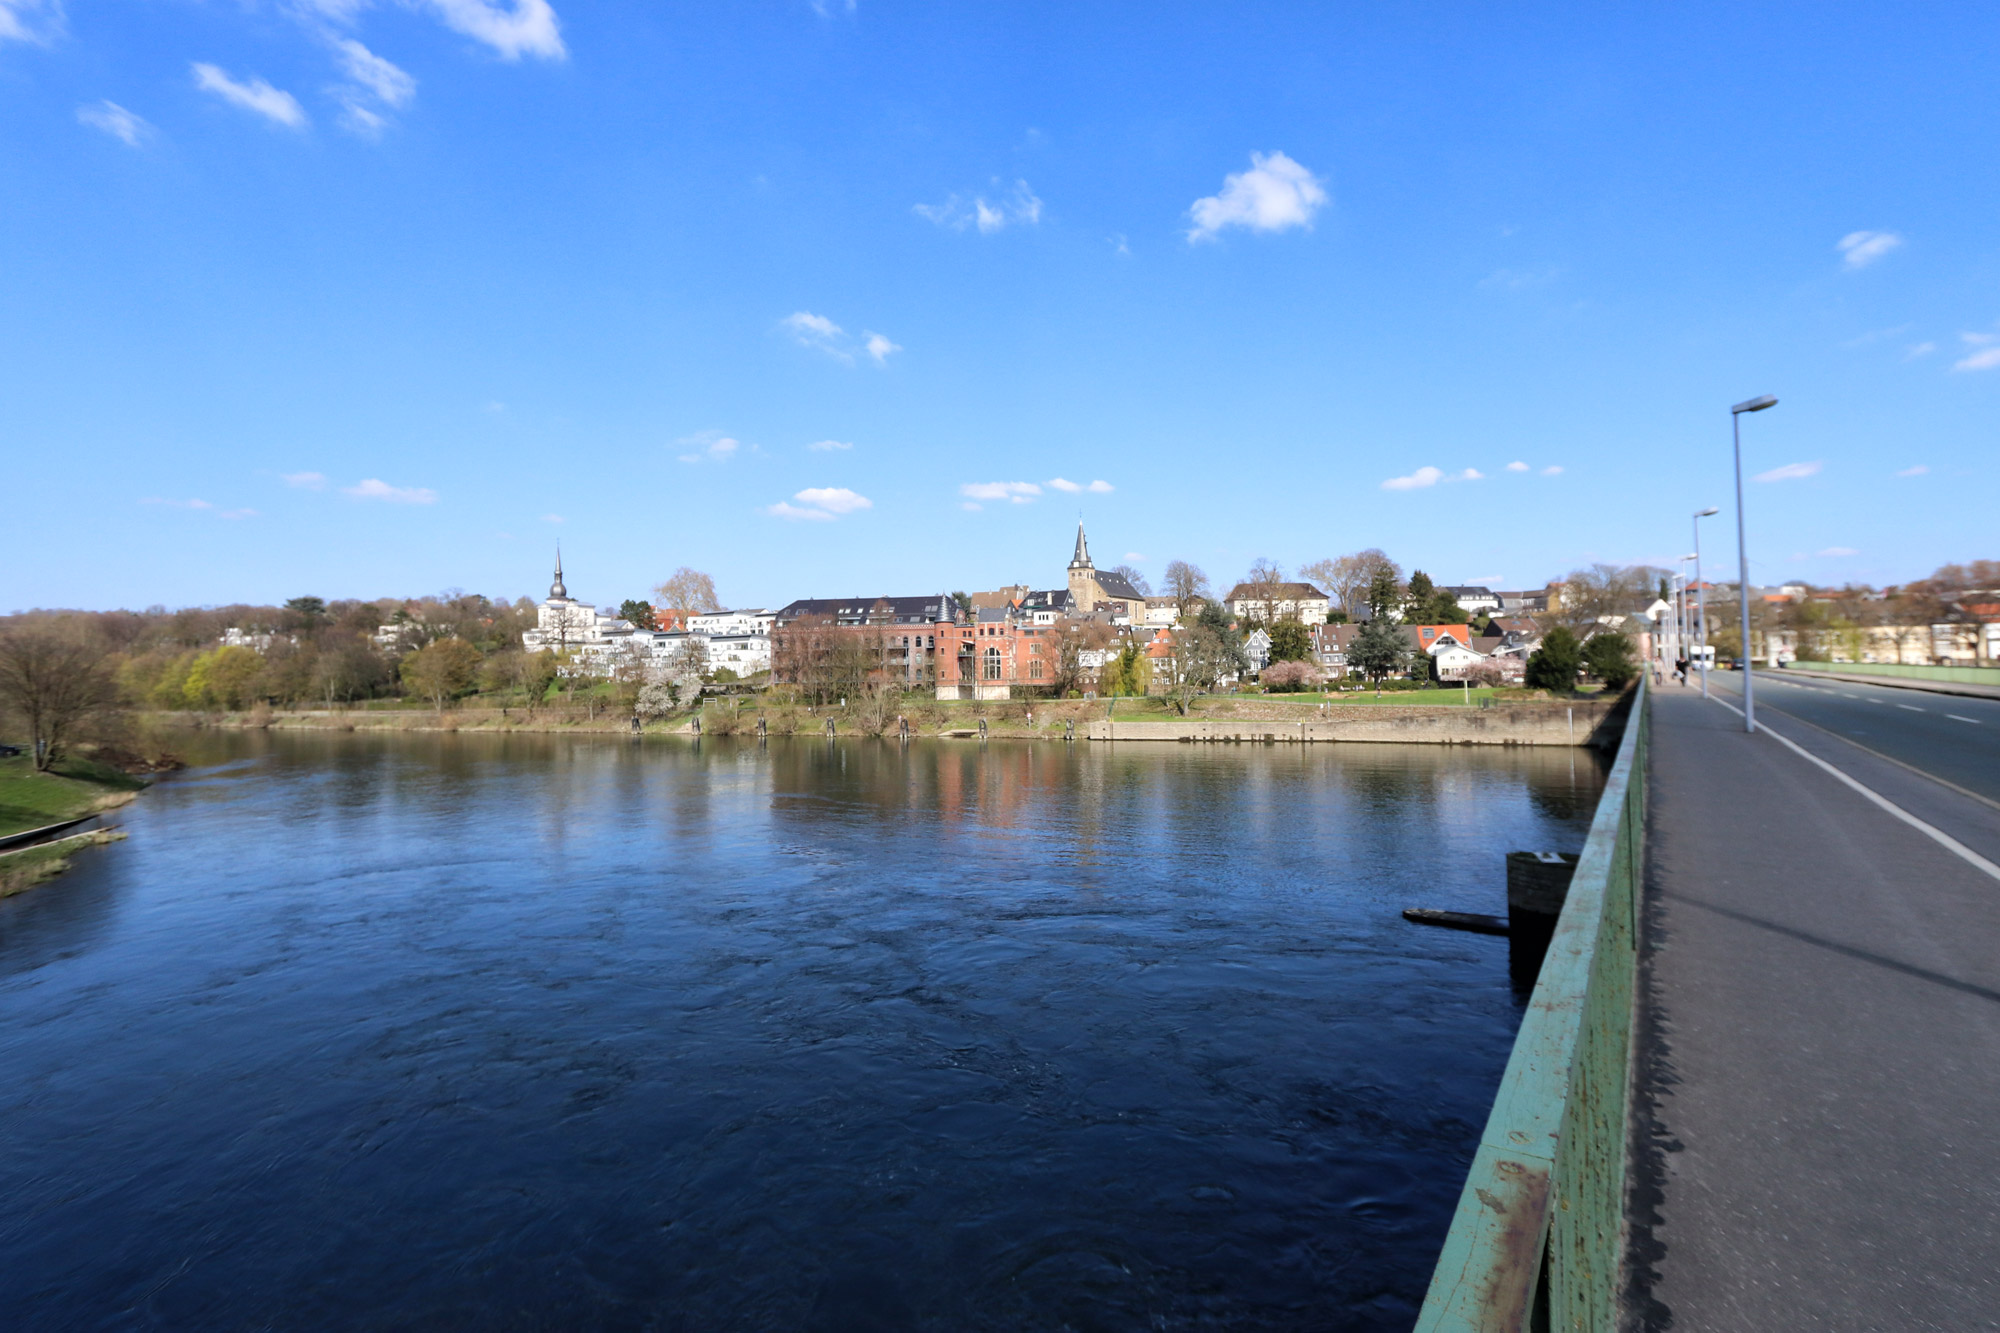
{"x": 992, "y": 664}
{"x": 1034, "y": 671}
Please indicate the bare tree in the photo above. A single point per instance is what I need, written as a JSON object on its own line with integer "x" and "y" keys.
{"x": 55, "y": 678}
{"x": 1264, "y": 587}
{"x": 1186, "y": 584}
{"x": 1346, "y": 578}
{"x": 688, "y": 590}
{"x": 1135, "y": 578}
{"x": 1593, "y": 597}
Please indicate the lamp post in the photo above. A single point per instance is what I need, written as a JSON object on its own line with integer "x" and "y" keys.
{"x": 1743, "y": 552}
{"x": 1701, "y": 599}
{"x": 1684, "y": 627}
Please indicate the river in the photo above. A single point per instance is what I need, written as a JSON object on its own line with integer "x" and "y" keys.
{"x": 473, "y": 1032}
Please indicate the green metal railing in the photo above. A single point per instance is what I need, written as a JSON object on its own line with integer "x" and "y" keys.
{"x": 1538, "y": 1239}
{"x": 1973, "y": 675}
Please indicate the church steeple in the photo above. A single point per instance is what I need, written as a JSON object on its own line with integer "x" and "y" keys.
{"x": 1081, "y": 560}
{"x": 556, "y": 590}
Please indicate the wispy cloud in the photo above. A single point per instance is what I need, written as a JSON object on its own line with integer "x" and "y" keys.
{"x": 1917, "y": 471}
{"x": 829, "y": 446}
{"x": 553, "y": 518}
{"x": 1015, "y": 492}
{"x": 1018, "y": 206}
{"x": 115, "y": 121}
{"x": 201, "y": 505}
{"x": 1552, "y": 470}
{"x": 255, "y": 96}
{"x": 37, "y": 22}
{"x": 880, "y": 348}
{"x": 1135, "y": 557}
{"x": 1518, "y": 279}
{"x": 1274, "y": 195}
{"x": 306, "y": 481}
{"x": 1517, "y": 466}
{"x": 1839, "y": 550}
{"x": 374, "y": 488}
{"x": 1416, "y": 481}
{"x": 1876, "y": 335}
{"x": 708, "y": 446}
{"x": 821, "y": 504}
{"x": 1985, "y": 358}
{"x": 376, "y": 83}
{"x": 1919, "y": 349}
{"x": 1859, "y": 249}
{"x": 511, "y": 28}
{"x": 1470, "y": 474}
{"x": 1789, "y": 472}
{"x": 823, "y": 335}
{"x": 1074, "y": 487}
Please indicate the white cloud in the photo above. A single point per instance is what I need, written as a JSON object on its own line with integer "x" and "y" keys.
{"x": 1840, "y": 550}
{"x": 1518, "y": 279}
{"x": 783, "y": 510}
{"x": 306, "y": 481}
{"x": 513, "y": 28}
{"x": 1917, "y": 471}
{"x": 114, "y": 120}
{"x": 1789, "y": 472}
{"x": 834, "y": 499}
{"x": 1065, "y": 485}
{"x": 1552, "y": 470}
{"x": 1018, "y": 206}
{"x": 1470, "y": 474}
{"x": 1919, "y": 349}
{"x": 552, "y": 518}
{"x": 1517, "y": 466}
{"x": 201, "y": 505}
{"x": 256, "y": 95}
{"x": 1987, "y": 357}
{"x": 374, "y": 488}
{"x": 879, "y": 348}
{"x": 1859, "y": 249}
{"x": 1275, "y": 194}
{"x": 1020, "y": 492}
{"x": 1422, "y": 477}
{"x": 829, "y": 446}
{"x": 1120, "y": 247}
{"x": 37, "y": 22}
{"x": 823, "y": 335}
{"x": 1100, "y": 488}
{"x": 388, "y": 84}
{"x": 1135, "y": 557}
{"x": 709, "y": 445}
{"x": 970, "y": 505}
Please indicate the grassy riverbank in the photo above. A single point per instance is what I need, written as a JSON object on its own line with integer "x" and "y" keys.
{"x": 739, "y": 714}
{"x": 31, "y": 865}
{"x": 75, "y": 786}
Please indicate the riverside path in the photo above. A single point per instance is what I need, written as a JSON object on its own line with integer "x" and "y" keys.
{"x": 1817, "y": 1101}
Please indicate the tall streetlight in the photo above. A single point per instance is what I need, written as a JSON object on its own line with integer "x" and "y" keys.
{"x": 1743, "y": 551}
{"x": 1701, "y": 599}
{"x": 1684, "y": 627}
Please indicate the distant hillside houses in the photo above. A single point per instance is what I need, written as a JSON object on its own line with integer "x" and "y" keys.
{"x": 739, "y": 641}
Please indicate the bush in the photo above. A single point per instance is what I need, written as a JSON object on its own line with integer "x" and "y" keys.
{"x": 1555, "y": 664}
{"x": 1609, "y": 657}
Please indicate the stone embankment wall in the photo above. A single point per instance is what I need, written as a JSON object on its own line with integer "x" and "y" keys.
{"x": 1556, "y": 723}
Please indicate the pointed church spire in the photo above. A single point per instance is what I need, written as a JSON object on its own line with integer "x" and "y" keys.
{"x": 1081, "y": 560}
{"x": 556, "y": 589}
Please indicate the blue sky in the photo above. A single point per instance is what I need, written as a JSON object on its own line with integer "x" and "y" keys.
{"x": 360, "y": 299}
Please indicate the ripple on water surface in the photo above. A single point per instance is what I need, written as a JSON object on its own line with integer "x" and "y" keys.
{"x": 480, "y": 1032}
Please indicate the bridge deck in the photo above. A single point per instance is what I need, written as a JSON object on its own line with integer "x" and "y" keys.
{"x": 1819, "y": 1060}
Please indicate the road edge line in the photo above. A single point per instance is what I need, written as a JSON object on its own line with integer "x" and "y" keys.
{"x": 1937, "y": 835}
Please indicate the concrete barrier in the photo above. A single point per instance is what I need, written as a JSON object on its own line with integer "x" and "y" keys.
{"x": 1586, "y": 722}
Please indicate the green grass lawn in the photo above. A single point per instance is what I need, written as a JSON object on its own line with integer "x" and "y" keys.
{"x": 76, "y": 786}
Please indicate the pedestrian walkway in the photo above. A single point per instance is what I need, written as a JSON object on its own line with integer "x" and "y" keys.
{"x": 1817, "y": 1141}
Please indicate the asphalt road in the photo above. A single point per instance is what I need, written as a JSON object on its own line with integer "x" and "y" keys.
{"x": 1819, "y": 1036}
{"x": 1946, "y": 735}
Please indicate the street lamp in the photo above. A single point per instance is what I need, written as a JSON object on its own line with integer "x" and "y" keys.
{"x": 1684, "y": 615}
{"x": 1742, "y": 551}
{"x": 1701, "y": 599}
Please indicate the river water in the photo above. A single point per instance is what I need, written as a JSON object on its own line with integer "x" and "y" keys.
{"x": 466, "y": 1032}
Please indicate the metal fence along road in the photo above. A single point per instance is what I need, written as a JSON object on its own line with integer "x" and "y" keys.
{"x": 1953, "y": 675}
{"x": 1539, "y": 1231}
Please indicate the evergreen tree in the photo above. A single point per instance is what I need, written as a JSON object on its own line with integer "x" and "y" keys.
{"x": 1383, "y": 594}
{"x": 1378, "y": 649}
{"x": 1609, "y": 657}
{"x": 1554, "y": 665}
{"x": 1290, "y": 642}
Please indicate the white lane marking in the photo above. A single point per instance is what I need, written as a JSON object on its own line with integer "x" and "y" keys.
{"x": 1956, "y": 718}
{"x": 1912, "y": 707}
{"x": 1939, "y": 836}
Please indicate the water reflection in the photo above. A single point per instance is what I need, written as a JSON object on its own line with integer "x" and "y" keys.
{"x": 475, "y": 1031}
